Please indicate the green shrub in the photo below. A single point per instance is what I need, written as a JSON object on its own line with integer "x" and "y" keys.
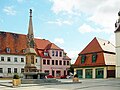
{"x": 16, "y": 76}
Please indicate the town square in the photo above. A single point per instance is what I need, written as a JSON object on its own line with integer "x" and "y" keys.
{"x": 59, "y": 44}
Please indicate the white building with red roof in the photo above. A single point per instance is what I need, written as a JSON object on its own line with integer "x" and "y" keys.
{"x": 96, "y": 60}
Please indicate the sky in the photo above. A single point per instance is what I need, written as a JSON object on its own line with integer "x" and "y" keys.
{"x": 70, "y": 24}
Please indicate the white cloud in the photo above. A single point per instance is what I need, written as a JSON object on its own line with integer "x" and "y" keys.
{"x": 85, "y": 28}
{"x": 9, "y": 10}
{"x": 73, "y": 54}
{"x": 61, "y": 22}
{"x": 74, "y": 6}
{"x": 59, "y": 40}
{"x": 101, "y": 12}
{"x": 62, "y": 5}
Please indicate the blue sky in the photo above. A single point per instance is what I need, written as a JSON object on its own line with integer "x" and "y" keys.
{"x": 70, "y": 24}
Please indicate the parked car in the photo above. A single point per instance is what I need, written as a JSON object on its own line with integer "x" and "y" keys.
{"x": 70, "y": 76}
{"x": 49, "y": 76}
{"x": 63, "y": 76}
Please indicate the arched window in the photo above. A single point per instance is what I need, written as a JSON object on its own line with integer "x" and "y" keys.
{"x": 32, "y": 59}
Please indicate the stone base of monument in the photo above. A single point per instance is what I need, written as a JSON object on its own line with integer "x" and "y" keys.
{"x": 37, "y": 78}
{"x": 39, "y": 81}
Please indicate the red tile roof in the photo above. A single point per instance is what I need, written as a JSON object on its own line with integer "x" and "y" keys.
{"x": 52, "y": 46}
{"x": 41, "y": 43}
{"x": 88, "y": 62}
{"x": 18, "y": 42}
{"x": 93, "y": 46}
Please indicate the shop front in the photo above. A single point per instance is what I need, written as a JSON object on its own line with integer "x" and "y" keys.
{"x": 79, "y": 73}
{"x": 100, "y": 73}
{"x": 88, "y": 73}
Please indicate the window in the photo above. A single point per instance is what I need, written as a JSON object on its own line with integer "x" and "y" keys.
{"x": 65, "y": 54}
{"x": 64, "y": 62}
{"x": 8, "y": 50}
{"x": 8, "y": 59}
{"x": 15, "y": 59}
{"x": 16, "y": 50}
{"x": 1, "y": 70}
{"x": 48, "y": 62}
{"x": 22, "y": 70}
{"x": 15, "y": 70}
{"x": 9, "y": 70}
{"x": 22, "y": 59}
{"x": 2, "y": 58}
{"x": 23, "y": 50}
{"x": 36, "y": 60}
{"x": 53, "y": 53}
{"x": 47, "y": 72}
{"x": 60, "y": 62}
{"x": 45, "y": 53}
{"x": 60, "y": 53}
{"x": 56, "y": 53}
{"x": 94, "y": 57}
{"x": 52, "y": 62}
{"x": 56, "y": 62}
{"x": 32, "y": 59}
{"x": 44, "y": 61}
{"x": 64, "y": 72}
{"x": 68, "y": 63}
{"x": 83, "y": 57}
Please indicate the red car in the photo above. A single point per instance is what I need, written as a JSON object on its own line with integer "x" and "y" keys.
{"x": 49, "y": 76}
{"x": 63, "y": 76}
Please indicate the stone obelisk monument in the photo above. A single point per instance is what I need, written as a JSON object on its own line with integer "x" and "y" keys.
{"x": 30, "y": 69}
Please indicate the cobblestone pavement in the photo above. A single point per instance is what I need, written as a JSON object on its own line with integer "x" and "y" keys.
{"x": 87, "y": 84}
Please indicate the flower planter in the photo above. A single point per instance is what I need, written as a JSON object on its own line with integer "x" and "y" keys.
{"x": 16, "y": 82}
{"x": 75, "y": 79}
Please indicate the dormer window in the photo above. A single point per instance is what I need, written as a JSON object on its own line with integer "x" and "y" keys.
{"x": 94, "y": 57}
{"x": 23, "y": 50}
{"x": 45, "y": 53}
{"x": 8, "y": 50}
{"x": 65, "y": 54}
{"x": 16, "y": 50}
{"x": 83, "y": 57}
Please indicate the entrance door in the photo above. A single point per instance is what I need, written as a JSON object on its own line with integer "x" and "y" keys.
{"x": 53, "y": 73}
{"x": 58, "y": 73}
{"x": 99, "y": 73}
{"x": 88, "y": 73}
{"x": 110, "y": 73}
{"x": 79, "y": 73}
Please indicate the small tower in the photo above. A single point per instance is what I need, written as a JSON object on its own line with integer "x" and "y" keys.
{"x": 30, "y": 51}
{"x": 117, "y": 39}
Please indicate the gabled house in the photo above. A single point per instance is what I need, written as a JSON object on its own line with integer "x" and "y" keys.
{"x": 50, "y": 58}
{"x": 53, "y": 59}
{"x": 96, "y": 60}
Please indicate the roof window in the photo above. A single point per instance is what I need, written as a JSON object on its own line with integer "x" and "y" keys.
{"x": 8, "y": 50}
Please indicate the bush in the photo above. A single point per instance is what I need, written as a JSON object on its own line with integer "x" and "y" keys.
{"x": 16, "y": 76}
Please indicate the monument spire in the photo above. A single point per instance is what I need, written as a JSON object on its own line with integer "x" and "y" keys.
{"x": 30, "y": 35}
